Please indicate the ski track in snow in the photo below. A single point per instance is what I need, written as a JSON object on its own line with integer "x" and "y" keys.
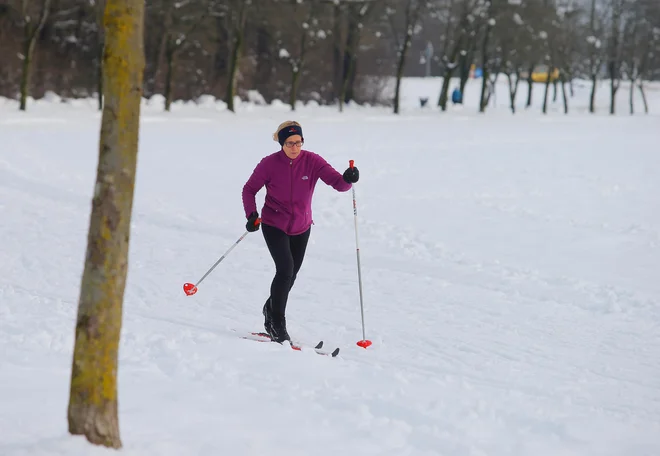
{"x": 509, "y": 268}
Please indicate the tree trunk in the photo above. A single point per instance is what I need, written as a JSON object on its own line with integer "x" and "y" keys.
{"x": 336, "y": 53}
{"x": 547, "y": 90}
{"x": 530, "y": 86}
{"x": 641, "y": 90}
{"x": 99, "y": 76}
{"x": 297, "y": 68}
{"x": 154, "y": 61}
{"x": 613, "y": 89}
{"x": 492, "y": 91}
{"x": 593, "y": 63}
{"x": 463, "y": 69}
{"x": 169, "y": 74}
{"x": 563, "y": 92}
{"x": 471, "y": 51}
{"x": 513, "y": 89}
{"x": 233, "y": 66}
{"x": 31, "y": 34}
{"x": 463, "y": 29}
{"x": 493, "y": 88}
{"x": 239, "y": 30}
{"x": 345, "y": 92}
{"x": 265, "y": 64}
{"x": 467, "y": 58}
{"x": 352, "y": 38}
{"x": 592, "y": 98}
{"x": 614, "y": 85}
{"x": 349, "y": 92}
{"x": 464, "y": 81}
{"x": 399, "y": 70}
{"x": 92, "y": 410}
{"x": 485, "y": 78}
{"x": 631, "y": 99}
{"x": 295, "y": 78}
{"x": 554, "y": 91}
{"x": 446, "y": 80}
{"x": 99, "y": 7}
{"x": 484, "y": 87}
{"x": 25, "y": 76}
{"x": 444, "y": 91}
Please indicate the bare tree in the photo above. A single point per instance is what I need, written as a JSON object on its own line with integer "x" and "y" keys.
{"x": 237, "y": 16}
{"x": 594, "y": 43}
{"x": 510, "y": 35}
{"x": 461, "y": 41}
{"x": 490, "y": 22}
{"x": 652, "y": 13}
{"x": 512, "y": 72}
{"x": 566, "y": 56}
{"x": 550, "y": 70}
{"x": 92, "y": 410}
{"x": 639, "y": 43}
{"x": 342, "y": 55}
{"x": 357, "y": 13}
{"x": 534, "y": 13}
{"x": 616, "y": 9}
{"x": 182, "y": 18}
{"x": 33, "y": 18}
{"x": 403, "y": 35}
{"x": 306, "y": 16}
{"x": 99, "y": 8}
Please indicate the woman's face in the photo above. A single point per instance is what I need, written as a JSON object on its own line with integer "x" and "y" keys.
{"x": 292, "y": 146}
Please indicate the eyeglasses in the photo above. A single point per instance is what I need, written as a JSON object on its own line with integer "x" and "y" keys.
{"x": 291, "y": 143}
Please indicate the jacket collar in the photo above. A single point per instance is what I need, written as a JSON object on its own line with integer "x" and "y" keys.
{"x": 283, "y": 156}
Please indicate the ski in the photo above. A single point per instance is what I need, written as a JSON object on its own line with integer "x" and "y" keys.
{"x": 318, "y": 348}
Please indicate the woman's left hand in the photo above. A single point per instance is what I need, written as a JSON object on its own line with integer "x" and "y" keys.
{"x": 351, "y": 175}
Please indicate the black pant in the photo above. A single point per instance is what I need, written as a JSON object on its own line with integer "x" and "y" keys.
{"x": 288, "y": 253}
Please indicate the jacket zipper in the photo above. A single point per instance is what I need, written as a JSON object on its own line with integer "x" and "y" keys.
{"x": 290, "y": 194}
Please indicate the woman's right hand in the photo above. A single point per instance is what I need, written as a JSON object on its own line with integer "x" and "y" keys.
{"x": 253, "y": 222}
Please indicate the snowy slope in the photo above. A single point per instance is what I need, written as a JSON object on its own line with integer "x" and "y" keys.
{"x": 510, "y": 269}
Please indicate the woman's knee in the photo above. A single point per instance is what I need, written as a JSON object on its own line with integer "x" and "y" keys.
{"x": 285, "y": 272}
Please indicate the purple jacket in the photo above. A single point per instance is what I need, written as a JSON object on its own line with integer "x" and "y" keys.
{"x": 289, "y": 189}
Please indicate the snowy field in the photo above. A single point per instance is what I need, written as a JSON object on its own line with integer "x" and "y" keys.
{"x": 510, "y": 266}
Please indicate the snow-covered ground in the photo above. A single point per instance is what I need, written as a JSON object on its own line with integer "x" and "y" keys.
{"x": 510, "y": 269}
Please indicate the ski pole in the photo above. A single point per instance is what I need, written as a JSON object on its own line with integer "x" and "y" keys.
{"x": 190, "y": 289}
{"x": 364, "y": 343}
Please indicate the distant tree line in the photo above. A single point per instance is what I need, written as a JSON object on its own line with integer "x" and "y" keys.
{"x": 336, "y": 51}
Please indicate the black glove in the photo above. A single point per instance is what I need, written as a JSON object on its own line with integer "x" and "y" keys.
{"x": 351, "y": 175}
{"x": 253, "y": 222}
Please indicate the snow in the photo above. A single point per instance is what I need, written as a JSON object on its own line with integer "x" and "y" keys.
{"x": 517, "y": 19}
{"x": 255, "y": 97}
{"x": 594, "y": 41}
{"x": 509, "y": 266}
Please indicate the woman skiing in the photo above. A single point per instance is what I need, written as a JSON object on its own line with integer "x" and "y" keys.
{"x": 290, "y": 176}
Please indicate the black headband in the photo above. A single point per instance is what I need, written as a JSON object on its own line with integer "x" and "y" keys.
{"x": 285, "y": 132}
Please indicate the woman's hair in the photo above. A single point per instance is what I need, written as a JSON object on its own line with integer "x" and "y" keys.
{"x": 288, "y": 123}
